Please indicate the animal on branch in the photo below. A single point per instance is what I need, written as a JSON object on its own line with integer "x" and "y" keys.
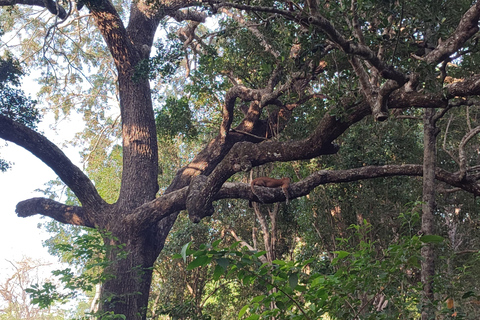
{"x": 283, "y": 183}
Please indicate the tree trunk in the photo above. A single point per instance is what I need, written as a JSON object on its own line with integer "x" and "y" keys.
{"x": 128, "y": 289}
{"x": 427, "y": 252}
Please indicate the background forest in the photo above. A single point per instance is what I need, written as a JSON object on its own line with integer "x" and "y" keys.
{"x": 370, "y": 107}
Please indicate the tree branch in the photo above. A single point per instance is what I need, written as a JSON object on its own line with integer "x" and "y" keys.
{"x": 243, "y": 156}
{"x": 407, "y": 99}
{"x": 466, "y": 28}
{"x": 304, "y": 187}
{"x": 65, "y": 214}
{"x": 53, "y": 157}
{"x": 50, "y": 5}
{"x": 462, "y": 158}
{"x": 192, "y": 15}
{"x": 168, "y": 204}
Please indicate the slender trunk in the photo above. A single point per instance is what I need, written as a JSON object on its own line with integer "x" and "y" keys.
{"x": 427, "y": 252}
{"x": 269, "y": 237}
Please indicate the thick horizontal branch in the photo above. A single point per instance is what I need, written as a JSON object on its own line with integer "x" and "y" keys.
{"x": 244, "y": 156}
{"x": 191, "y": 15}
{"x": 154, "y": 211}
{"x": 304, "y": 187}
{"x": 468, "y": 87}
{"x": 53, "y": 157}
{"x": 52, "y": 6}
{"x": 53, "y": 209}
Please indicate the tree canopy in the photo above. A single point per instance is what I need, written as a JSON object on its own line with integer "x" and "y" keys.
{"x": 183, "y": 99}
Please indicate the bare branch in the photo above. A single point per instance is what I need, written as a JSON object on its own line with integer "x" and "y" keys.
{"x": 467, "y": 27}
{"x": 56, "y": 9}
{"x": 262, "y": 258}
{"x": 192, "y": 15}
{"x": 65, "y": 214}
{"x": 51, "y": 5}
{"x": 150, "y": 213}
{"x": 323, "y": 177}
{"x": 53, "y": 157}
{"x": 379, "y": 109}
{"x": 465, "y": 88}
{"x": 254, "y": 30}
{"x": 462, "y": 158}
{"x": 444, "y": 145}
{"x": 238, "y": 91}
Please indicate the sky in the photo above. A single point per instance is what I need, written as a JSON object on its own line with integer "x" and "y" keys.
{"x": 20, "y": 237}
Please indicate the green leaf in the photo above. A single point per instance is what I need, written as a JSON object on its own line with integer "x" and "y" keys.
{"x": 223, "y": 262}
{"x": 177, "y": 256}
{"x": 218, "y": 272}
{"x": 242, "y": 311}
{"x": 468, "y": 294}
{"x": 216, "y": 243}
{"x": 279, "y": 262}
{"x": 234, "y": 245}
{"x": 431, "y": 238}
{"x": 259, "y": 254}
{"x": 293, "y": 280}
{"x": 258, "y": 298}
{"x": 198, "y": 262}
{"x": 341, "y": 254}
{"x": 184, "y": 251}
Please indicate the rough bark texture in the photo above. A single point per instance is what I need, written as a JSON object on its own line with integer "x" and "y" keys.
{"x": 428, "y": 209}
{"x": 142, "y": 221}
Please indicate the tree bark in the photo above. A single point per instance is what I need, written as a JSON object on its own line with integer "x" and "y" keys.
{"x": 141, "y": 222}
{"x": 428, "y": 209}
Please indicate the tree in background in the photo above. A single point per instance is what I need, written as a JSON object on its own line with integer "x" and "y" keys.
{"x": 318, "y": 68}
{"x": 15, "y": 300}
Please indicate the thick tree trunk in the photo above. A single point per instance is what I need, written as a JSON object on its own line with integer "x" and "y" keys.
{"x": 427, "y": 252}
{"x": 131, "y": 254}
{"x": 127, "y": 290}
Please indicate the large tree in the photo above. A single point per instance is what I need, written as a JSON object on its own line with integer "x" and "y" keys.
{"x": 326, "y": 64}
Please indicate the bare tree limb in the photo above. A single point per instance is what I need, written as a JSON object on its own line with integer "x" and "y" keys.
{"x": 192, "y": 15}
{"x": 462, "y": 158}
{"x": 65, "y": 214}
{"x": 467, "y": 27}
{"x": 53, "y": 157}
{"x": 262, "y": 258}
{"x": 323, "y": 177}
{"x": 50, "y": 5}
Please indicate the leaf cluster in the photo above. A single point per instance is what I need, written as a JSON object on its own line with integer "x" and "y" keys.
{"x": 296, "y": 292}
{"x": 175, "y": 118}
{"x": 14, "y": 104}
{"x": 90, "y": 251}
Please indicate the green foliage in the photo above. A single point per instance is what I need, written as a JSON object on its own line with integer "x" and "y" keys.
{"x": 46, "y": 295}
{"x": 105, "y": 169}
{"x": 185, "y": 310}
{"x": 109, "y": 315}
{"x": 13, "y": 102}
{"x": 165, "y": 62}
{"x": 175, "y": 118}
{"x": 89, "y": 251}
{"x": 360, "y": 278}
